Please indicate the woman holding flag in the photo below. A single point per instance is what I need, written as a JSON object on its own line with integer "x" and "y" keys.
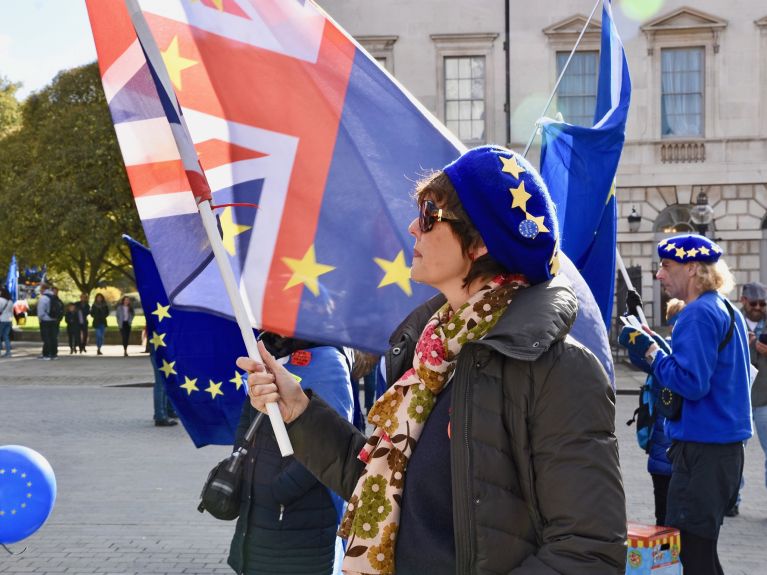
{"x": 494, "y": 447}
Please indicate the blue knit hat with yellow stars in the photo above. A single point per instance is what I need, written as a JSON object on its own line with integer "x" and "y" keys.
{"x": 508, "y": 203}
{"x": 689, "y": 248}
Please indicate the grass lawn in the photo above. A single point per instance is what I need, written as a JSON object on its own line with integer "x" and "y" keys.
{"x": 139, "y": 322}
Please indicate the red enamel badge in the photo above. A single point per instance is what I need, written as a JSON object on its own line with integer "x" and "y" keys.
{"x": 301, "y": 357}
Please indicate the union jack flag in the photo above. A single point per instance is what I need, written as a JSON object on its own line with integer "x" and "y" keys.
{"x": 269, "y": 102}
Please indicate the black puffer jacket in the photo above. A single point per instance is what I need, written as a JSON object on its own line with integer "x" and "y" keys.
{"x": 537, "y": 488}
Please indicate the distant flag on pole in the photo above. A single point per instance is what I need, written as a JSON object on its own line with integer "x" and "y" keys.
{"x": 285, "y": 111}
{"x": 579, "y": 164}
{"x": 12, "y": 279}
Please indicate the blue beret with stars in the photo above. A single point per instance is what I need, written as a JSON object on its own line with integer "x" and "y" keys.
{"x": 508, "y": 203}
{"x": 689, "y": 248}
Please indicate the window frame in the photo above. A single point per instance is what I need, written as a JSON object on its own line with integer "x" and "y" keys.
{"x": 467, "y": 45}
{"x": 566, "y": 54}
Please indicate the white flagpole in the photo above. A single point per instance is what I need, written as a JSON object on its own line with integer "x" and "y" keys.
{"x": 561, "y": 75}
{"x": 186, "y": 149}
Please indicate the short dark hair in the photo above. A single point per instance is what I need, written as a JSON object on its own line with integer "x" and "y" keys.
{"x": 439, "y": 189}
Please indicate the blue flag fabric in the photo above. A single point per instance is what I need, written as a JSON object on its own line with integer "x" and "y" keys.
{"x": 579, "y": 164}
{"x": 12, "y": 279}
{"x": 195, "y": 353}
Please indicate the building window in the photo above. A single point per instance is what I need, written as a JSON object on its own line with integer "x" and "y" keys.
{"x": 577, "y": 93}
{"x": 675, "y": 219}
{"x": 465, "y": 97}
{"x": 682, "y": 91}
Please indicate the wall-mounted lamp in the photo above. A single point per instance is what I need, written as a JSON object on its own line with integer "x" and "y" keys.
{"x": 702, "y": 214}
{"x": 635, "y": 220}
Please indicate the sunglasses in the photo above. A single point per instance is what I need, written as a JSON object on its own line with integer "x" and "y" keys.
{"x": 758, "y": 303}
{"x": 428, "y": 213}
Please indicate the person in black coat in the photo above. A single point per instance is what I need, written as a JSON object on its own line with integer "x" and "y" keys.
{"x": 288, "y": 519}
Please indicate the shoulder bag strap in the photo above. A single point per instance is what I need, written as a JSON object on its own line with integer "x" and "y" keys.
{"x": 730, "y": 331}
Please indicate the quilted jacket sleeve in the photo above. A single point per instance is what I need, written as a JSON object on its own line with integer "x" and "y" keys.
{"x": 575, "y": 470}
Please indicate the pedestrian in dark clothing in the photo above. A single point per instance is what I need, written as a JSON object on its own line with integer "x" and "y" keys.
{"x": 83, "y": 310}
{"x": 125, "y": 314}
{"x": 494, "y": 448}
{"x": 99, "y": 312}
{"x": 71, "y": 317}
{"x": 288, "y": 519}
{"x": 49, "y": 314}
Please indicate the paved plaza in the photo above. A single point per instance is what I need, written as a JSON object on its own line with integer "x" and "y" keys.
{"x": 128, "y": 491}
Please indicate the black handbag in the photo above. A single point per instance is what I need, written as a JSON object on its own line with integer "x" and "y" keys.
{"x": 669, "y": 404}
{"x": 221, "y": 493}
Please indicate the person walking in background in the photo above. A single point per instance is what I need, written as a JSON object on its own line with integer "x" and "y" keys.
{"x": 494, "y": 448}
{"x": 99, "y": 311}
{"x": 49, "y": 313}
{"x": 288, "y": 519}
{"x": 753, "y": 300}
{"x": 6, "y": 319}
{"x": 73, "y": 327}
{"x": 20, "y": 310}
{"x": 708, "y": 370}
{"x": 83, "y": 310}
{"x": 125, "y": 314}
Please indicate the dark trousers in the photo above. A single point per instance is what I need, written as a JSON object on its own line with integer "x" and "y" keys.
{"x": 704, "y": 485}
{"x": 83, "y": 336}
{"x": 73, "y": 333}
{"x": 125, "y": 333}
{"x": 699, "y": 555}
{"x": 49, "y": 332}
{"x": 660, "y": 491}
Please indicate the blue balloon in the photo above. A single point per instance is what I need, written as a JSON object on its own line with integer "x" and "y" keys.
{"x": 27, "y": 492}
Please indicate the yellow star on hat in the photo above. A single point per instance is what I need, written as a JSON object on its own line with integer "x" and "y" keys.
{"x": 510, "y": 166}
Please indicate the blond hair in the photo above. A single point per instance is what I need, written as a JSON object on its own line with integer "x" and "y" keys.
{"x": 714, "y": 277}
{"x": 673, "y": 307}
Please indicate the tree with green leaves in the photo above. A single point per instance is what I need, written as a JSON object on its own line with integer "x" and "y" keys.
{"x": 10, "y": 111}
{"x": 64, "y": 196}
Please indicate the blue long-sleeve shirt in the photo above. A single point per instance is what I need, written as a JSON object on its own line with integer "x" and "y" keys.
{"x": 714, "y": 385}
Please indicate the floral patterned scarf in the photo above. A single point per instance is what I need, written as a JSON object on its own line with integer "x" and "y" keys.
{"x": 372, "y": 516}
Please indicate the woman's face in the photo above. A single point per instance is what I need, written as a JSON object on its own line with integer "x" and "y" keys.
{"x": 126, "y": 301}
{"x": 438, "y": 260}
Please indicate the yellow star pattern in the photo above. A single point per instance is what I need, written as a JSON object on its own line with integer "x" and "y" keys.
{"x": 214, "y": 389}
{"x": 520, "y": 196}
{"x": 662, "y": 243}
{"x": 539, "y": 222}
{"x": 306, "y": 271}
{"x": 175, "y": 62}
{"x": 237, "y": 379}
{"x": 704, "y": 250}
{"x": 158, "y": 340}
{"x": 691, "y": 253}
{"x": 167, "y": 368}
{"x": 219, "y": 4}
{"x": 161, "y": 312}
{"x": 510, "y": 166}
{"x": 717, "y": 249}
{"x": 632, "y": 337}
{"x": 231, "y": 230}
{"x": 611, "y": 194}
{"x": 189, "y": 385}
{"x": 397, "y": 272}
{"x": 680, "y": 252}
{"x": 670, "y": 247}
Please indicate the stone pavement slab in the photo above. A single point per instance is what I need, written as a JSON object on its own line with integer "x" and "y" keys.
{"x": 127, "y": 491}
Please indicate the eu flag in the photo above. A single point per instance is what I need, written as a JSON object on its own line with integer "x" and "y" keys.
{"x": 579, "y": 164}
{"x": 195, "y": 353}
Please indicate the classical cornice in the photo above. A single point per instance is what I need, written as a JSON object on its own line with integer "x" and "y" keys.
{"x": 572, "y": 26}
{"x": 684, "y": 21}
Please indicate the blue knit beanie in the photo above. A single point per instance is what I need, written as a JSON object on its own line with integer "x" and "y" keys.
{"x": 508, "y": 203}
{"x": 689, "y": 248}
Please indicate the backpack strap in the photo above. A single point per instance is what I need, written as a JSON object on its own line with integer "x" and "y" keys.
{"x": 731, "y": 329}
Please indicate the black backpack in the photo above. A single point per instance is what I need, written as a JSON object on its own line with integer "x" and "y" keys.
{"x": 56, "y": 309}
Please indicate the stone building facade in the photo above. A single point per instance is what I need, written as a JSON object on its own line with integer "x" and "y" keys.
{"x": 698, "y": 118}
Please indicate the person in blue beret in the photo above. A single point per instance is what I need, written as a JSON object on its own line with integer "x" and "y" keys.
{"x": 493, "y": 448}
{"x": 709, "y": 369}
